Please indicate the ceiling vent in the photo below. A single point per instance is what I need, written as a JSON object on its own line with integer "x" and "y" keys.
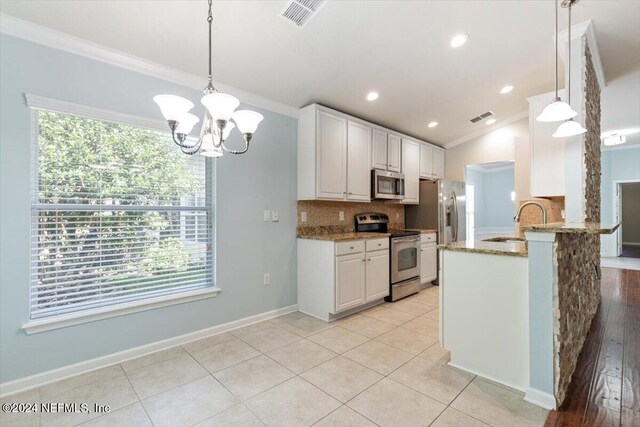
{"x": 482, "y": 116}
{"x": 300, "y": 12}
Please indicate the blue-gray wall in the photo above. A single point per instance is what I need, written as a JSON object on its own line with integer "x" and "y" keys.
{"x": 247, "y": 247}
{"x": 616, "y": 165}
{"x": 493, "y": 205}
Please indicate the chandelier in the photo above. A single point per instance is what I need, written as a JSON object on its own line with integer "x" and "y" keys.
{"x": 220, "y": 109}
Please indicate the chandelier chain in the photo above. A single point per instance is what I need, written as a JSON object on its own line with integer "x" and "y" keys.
{"x": 210, "y": 21}
{"x": 569, "y": 62}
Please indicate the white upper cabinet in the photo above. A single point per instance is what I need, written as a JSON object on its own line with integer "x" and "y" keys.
{"x": 411, "y": 170}
{"x": 379, "y": 148}
{"x": 336, "y": 153}
{"x": 358, "y": 161}
{"x": 426, "y": 161}
{"x": 393, "y": 153}
{"x": 438, "y": 163}
{"x": 547, "y": 152}
{"x": 332, "y": 156}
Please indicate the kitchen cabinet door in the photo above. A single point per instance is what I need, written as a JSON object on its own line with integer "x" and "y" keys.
{"x": 426, "y": 161}
{"x": 411, "y": 170}
{"x": 358, "y": 162}
{"x": 438, "y": 163}
{"x": 379, "y": 150}
{"x": 377, "y": 275}
{"x": 332, "y": 156}
{"x": 350, "y": 281}
{"x": 393, "y": 153}
{"x": 428, "y": 262}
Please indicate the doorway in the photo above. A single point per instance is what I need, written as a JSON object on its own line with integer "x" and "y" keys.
{"x": 628, "y": 208}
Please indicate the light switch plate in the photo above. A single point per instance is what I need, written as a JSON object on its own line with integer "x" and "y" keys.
{"x": 267, "y": 216}
{"x": 341, "y": 215}
{"x": 275, "y": 217}
{"x": 267, "y": 279}
{"x": 303, "y": 217}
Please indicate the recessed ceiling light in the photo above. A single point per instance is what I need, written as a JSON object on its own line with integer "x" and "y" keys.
{"x": 506, "y": 89}
{"x": 372, "y": 96}
{"x": 433, "y": 124}
{"x": 459, "y": 39}
{"x": 490, "y": 122}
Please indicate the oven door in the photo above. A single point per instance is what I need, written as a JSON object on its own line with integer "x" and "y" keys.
{"x": 405, "y": 258}
{"x": 387, "y": 185}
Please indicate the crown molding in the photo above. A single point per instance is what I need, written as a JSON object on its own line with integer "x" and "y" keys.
{"x": 39, "y": 34}
{"x": 584, "y": 29}
{"x": 521, "y": 115}
{"x": 484, "y": 169}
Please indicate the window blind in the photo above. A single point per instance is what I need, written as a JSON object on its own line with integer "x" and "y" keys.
{"x": 118, "y": 214}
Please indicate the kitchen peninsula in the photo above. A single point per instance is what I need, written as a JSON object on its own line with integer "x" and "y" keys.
{"x": 518, "y": 312}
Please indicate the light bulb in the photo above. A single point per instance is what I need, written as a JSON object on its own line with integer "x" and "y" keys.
{"x": 432, "y": 124}
{"x": 220, "y": 105}
{"x": 569, "y": 128}
{"x": 173, "y": 107}
{"x": 556, "y": 112}
{"x": 459, "y": 40}
{"x": 247, "y": 120}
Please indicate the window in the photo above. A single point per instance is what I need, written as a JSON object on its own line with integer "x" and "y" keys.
{"x": 118, "y": 214}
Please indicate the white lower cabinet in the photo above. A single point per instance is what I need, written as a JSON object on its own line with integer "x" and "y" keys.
{"x": 350, "y": 281}
{"x": 428, "y": 262}
{"x": 377, "y": 277}
{"x": 336, "y": 277}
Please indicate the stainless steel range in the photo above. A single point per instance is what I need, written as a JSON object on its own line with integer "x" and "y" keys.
{"x": 404, "y": 262}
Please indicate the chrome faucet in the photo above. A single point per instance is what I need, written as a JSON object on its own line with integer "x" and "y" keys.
{"x": 531, "y": 202}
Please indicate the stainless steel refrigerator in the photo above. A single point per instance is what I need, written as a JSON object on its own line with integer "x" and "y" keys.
{"x": 442, "y": 207}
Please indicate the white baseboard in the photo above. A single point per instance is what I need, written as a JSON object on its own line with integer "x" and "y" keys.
{"x": 37, "y": 380}
{"x": 483, "y": 376}
{"x": 540, "y": 398}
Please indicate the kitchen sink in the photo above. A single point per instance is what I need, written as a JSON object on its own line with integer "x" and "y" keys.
{"x": 509, "y": 239}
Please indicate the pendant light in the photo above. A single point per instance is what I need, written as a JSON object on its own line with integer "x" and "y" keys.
{"x": 220, "y": 109}
{"x": 558, "y": 110}
{"x": 569, "y": 127}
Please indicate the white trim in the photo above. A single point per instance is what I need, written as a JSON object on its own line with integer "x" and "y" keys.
{"x": 521, "y": 115}
{"x": 58, "y": 40}
{"x": 100, "y": 313}
{"x": 540, "y": 398}
{"x": 616, "y": 206}
{"x": 585, "y": 29}
{"x": 540, "y": 236}
{"x": 485, "y": 377}
{"x": 43, "y": 103}
{"x": 619, "y": 147}
{"x": 37, "y": 380}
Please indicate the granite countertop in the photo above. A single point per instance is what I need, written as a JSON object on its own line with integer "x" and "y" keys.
{"x": 573, "y": 227}
{"x": 490, "y": 248}
{"x": 344, "y": 237}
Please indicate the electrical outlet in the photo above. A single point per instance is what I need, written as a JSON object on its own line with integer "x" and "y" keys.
{"x": 267, "y": 216}
{"x": 341, "y": 215}
{"x": 275, "y": 217}
{"x": 303, "y": 217}
{"x": 267, "y": 279}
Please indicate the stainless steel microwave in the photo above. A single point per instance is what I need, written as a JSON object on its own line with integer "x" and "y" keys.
{"x": 387, "y": 185}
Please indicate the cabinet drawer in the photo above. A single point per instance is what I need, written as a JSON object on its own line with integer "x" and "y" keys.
{"x": 377, "y": 244}
{"x": 344, "y": 248}
{"x": 428, "y": 237}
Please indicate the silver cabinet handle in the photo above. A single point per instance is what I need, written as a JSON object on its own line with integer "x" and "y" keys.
{"x": 379, "y": 244}
{"x": 351, "y": 247}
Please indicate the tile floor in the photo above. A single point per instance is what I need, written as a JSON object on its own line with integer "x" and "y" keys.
{"x": 383, "y": 366}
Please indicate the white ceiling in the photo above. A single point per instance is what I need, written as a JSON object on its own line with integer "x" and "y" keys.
{"x": 398, "y": 48}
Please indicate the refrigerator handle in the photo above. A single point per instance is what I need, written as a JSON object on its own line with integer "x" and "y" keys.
{"x": 454, "y": 204}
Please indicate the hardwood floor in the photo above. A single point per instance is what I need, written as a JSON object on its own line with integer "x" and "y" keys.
{"x": 605, "y": 388}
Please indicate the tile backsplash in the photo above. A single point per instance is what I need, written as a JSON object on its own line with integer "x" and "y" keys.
{"x": 326, "y": 214}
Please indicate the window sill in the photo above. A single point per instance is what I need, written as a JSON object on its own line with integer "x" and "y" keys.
{"x": 63, "y": 321}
